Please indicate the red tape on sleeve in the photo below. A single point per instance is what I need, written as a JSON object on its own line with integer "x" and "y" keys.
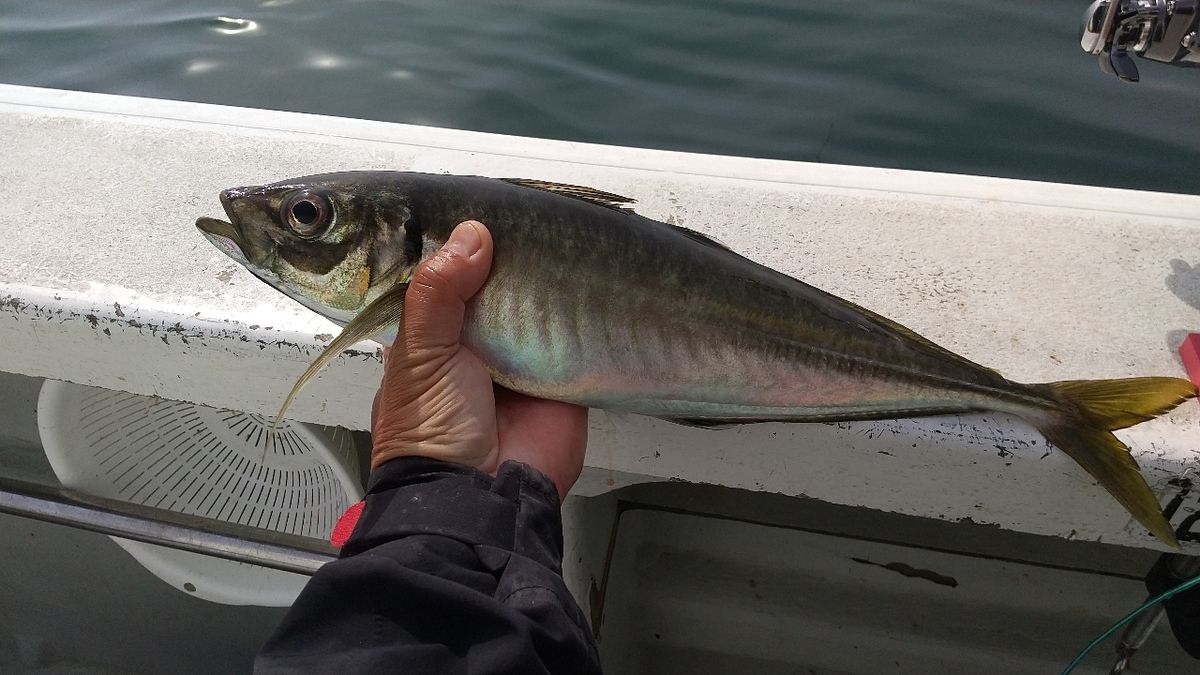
{"x": 1189, "y": 351}
{"x": 345, "y": 525}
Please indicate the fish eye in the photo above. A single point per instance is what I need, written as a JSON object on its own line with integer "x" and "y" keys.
{"x": 307, "y": 214}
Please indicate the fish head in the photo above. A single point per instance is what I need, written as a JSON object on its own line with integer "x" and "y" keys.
{"x": 331, "y": 242}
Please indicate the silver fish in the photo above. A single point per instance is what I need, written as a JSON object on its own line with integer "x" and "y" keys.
{"x": 590, "y": 303}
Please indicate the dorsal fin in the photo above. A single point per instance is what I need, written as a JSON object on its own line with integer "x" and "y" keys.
{"x": 581, "y": 192}
{"x": 701, "y": 237}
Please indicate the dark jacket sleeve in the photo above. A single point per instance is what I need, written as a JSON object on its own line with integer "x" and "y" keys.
{"x": 448, "y": 570}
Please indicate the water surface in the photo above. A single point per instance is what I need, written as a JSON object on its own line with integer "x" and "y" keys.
{"x": 973, "y": 86}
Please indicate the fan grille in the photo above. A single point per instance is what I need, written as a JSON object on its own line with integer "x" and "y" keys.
{"x": 209, "y": 462}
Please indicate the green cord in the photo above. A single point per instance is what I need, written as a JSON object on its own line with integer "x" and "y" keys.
{"x": 1127, "y": 618}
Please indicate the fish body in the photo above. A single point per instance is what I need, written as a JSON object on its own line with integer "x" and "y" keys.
{"x": 588, "y": 302}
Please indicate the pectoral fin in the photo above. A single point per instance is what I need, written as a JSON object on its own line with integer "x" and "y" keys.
{"x": 384, "y": 312}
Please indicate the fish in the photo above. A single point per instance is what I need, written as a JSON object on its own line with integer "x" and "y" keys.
{"x": 590, "y": 303}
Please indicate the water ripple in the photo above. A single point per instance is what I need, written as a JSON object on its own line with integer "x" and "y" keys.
{"x": 230, "y": 26}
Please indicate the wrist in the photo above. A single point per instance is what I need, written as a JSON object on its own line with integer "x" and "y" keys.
{"x": 388, "y": 448}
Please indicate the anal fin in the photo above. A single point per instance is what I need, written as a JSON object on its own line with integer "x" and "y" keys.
{"x": 714, "y": 422}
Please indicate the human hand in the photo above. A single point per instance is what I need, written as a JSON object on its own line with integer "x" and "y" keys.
{"x": 437, "y": 400}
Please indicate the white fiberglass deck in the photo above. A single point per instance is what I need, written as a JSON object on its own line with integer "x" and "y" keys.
{"x": 105, "y": 281}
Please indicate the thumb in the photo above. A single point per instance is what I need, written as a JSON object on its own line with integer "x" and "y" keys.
{"x": 441, "y": 286}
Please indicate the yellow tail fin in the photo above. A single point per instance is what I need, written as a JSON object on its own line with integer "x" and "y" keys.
{"x": 1091, "y": 410}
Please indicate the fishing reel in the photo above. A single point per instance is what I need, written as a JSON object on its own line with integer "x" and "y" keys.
{"x": 1167, "y": 31}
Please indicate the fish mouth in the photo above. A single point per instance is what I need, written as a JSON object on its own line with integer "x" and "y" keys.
{"x": 224, "y": 234}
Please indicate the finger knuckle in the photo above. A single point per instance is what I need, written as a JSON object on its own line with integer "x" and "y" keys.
{"x": 431, "y": 274}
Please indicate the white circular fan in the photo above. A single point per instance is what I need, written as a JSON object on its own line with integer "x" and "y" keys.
{"x": 201, "y": 461}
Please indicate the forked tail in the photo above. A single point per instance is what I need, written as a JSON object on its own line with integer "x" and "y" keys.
{"x": 1091, "y": 410}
